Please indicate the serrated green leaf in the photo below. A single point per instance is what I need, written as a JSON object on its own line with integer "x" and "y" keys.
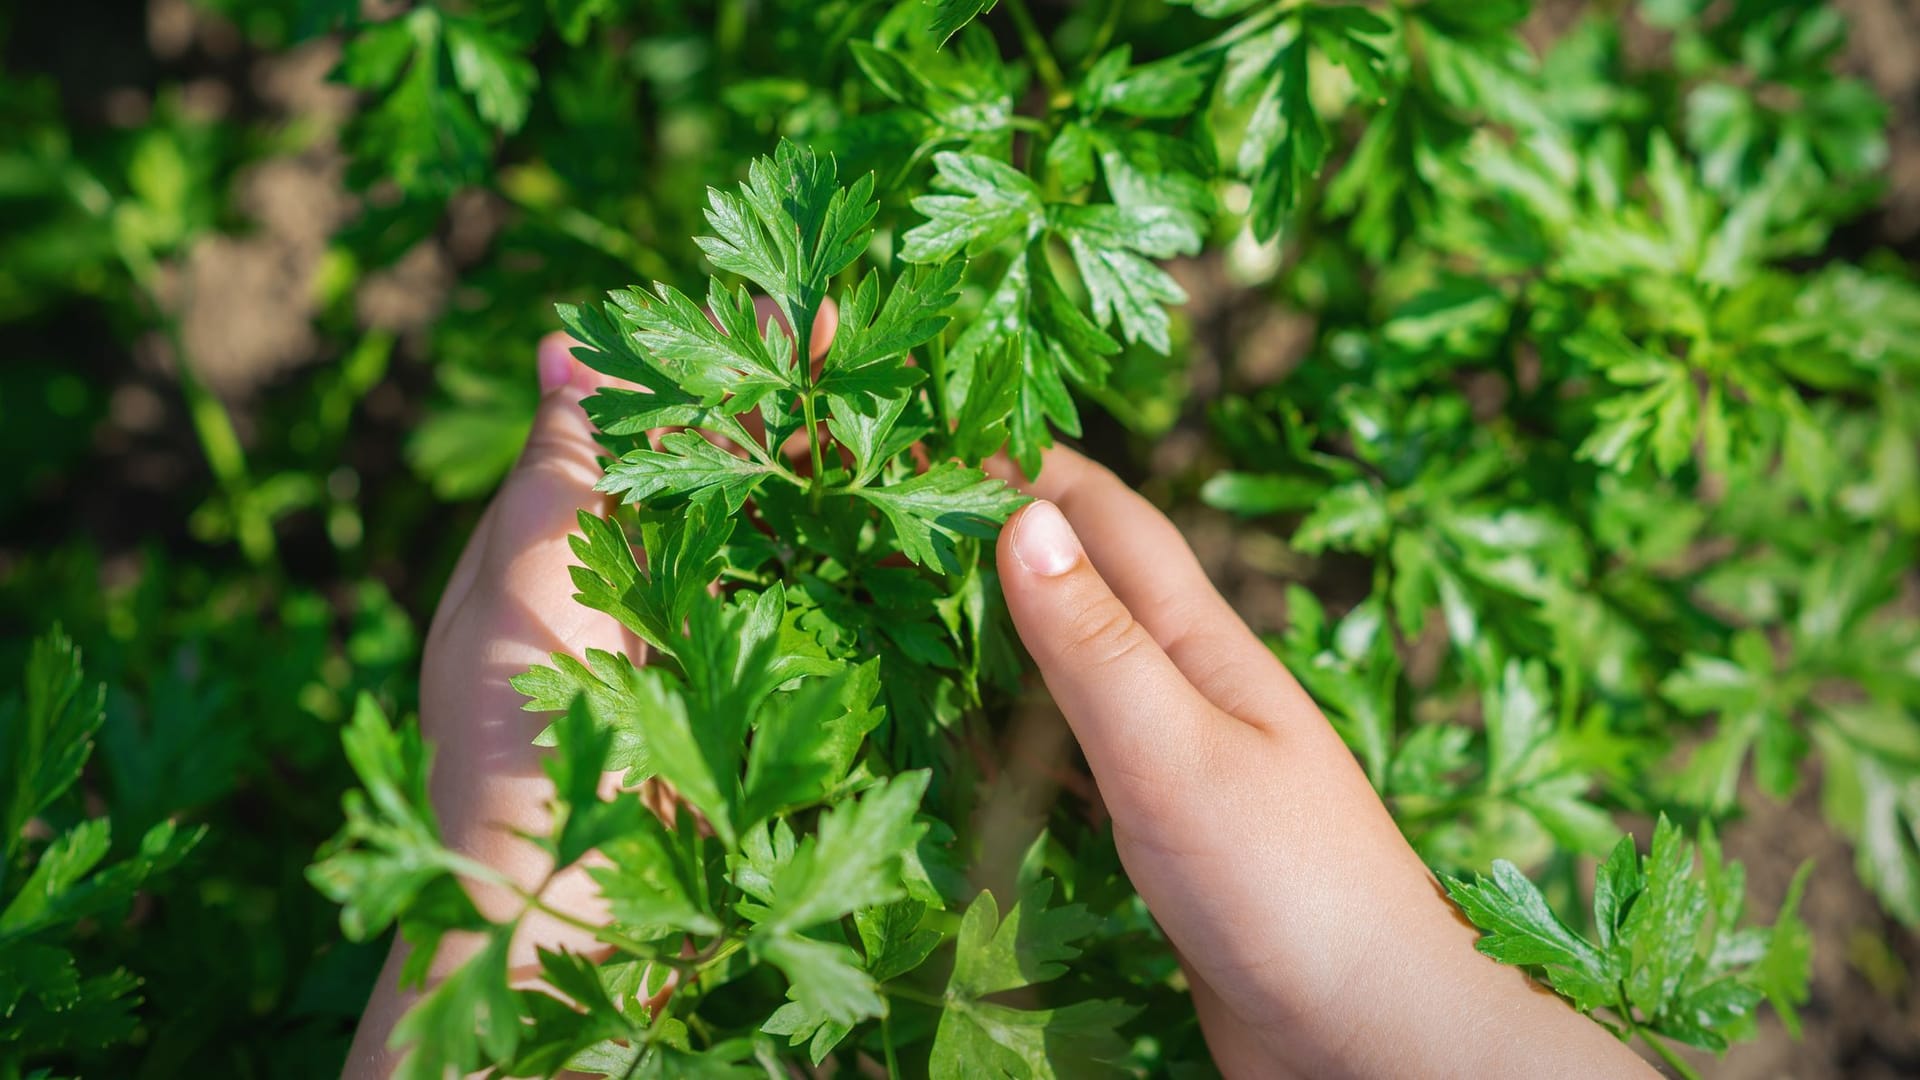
{"x": 46, "y": 739}
{"x": 950, "y": 15}
{"x": 582, "y": 820}
{"x": 932, "y": 511}
{"x": 470, "y": 1018}
{"x": 685, "y": 466}
{"x": 806, "y": 741}
{"x": 995, "y": 201}
{"x": 852, "y": 860}
{"x": 893, "y": 938}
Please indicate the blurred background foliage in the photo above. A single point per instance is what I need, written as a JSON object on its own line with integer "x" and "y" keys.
{"x": 271, "y": 272}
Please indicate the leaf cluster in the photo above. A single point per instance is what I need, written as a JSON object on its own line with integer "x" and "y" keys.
{"x": 1669, "y": 957}
{"x": 52, "y": 886}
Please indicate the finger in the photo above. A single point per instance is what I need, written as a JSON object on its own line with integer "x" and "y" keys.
{"x": 1154, "y": 572}
{"x": 553, "y": 479}
{"x": 1143, "y": 727}
{"x": 509, "y": 607}
{"x": 560, "y": 431}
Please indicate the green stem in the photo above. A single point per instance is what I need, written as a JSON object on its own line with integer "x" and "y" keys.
{"x": 813, "y": 444}
{"x": 1036, "y": 45}
{"x": 937, "y": 365}
{"x": 719, "y": 955}
{"x": 212, "y": 423}
{"x": 886, "y": 1043}
{"x": 1239, "y": 31}
{"x": 605, "y": 935}
{"x": 615, "y": 243}
{"x": 220, "y": 443}
{"x": 1103, "y": 34}
{"x": 1624, "y": 1009}
{"x": 803, "y": 351}
{"x": 908, "y": 993}
{"x": 1675, "y": 1061}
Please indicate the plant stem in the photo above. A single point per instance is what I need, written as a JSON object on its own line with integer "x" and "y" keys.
{"x": 1624, "y": 1009}
{"x": 220, "y": 444}
{"x": 724, "y": 950}
{"x": 1036, "y": 45}
{"x": 803, "y": 351}
{"x": 584, "y": 228}
{"x": 1666, "y": 1053}
{"x": 937, "y": 385}
{"x": 1103, "y": 34}
{"x": 212, "y": 423}
{"x": 813, "y": 444}
{"x": 603, "y": 934}
{"x": 910, "y": 994}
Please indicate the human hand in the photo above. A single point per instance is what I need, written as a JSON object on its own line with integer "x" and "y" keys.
{"x": 507, "y": 607}
{"x": 1315, "y": 940}
{"x": 1329, "y": 956}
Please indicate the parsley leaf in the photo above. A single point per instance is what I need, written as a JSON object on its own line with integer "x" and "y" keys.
{"x": 389, "y": 852}
{"x": 932, "y": 511}
{"x": 1285, "y": 142}
{"x": 1026, "y": 948}
{"x": 995, "y": 201}
{"x": 868, "y": 342}
{"x": 1671, "y": 957}
{"x": 45, "y": 740}
{"x": 685, "y": 465}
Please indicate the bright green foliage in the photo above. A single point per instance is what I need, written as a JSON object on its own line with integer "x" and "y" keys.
{"x": 389, "y": 853}
{"x": 1588, "y": 433}
{"x": 1556, "y": 348}
{"x": 1669, "y": 957}
{"x": 1599, "y": 440}
{"x": 995, "y": 955}
{"x": 447, "y": 83}
{"x": 762, "y": 708}
{"x": 50, "y": 889}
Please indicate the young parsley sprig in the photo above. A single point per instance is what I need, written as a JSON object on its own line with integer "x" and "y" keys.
{"x": 812, "y": 715}
{"x": 799, "y": 828}
{"x": 1670, "y": 959}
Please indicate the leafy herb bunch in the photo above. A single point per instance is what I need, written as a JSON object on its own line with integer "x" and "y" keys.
{"x": 784, "y": 710}
{"x": 1479, "y": 216}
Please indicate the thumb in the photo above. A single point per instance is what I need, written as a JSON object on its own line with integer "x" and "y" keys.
{"x": 559, "y": 465}
{"x": 1143, "y": 727}
{"x": 523, "y": 532}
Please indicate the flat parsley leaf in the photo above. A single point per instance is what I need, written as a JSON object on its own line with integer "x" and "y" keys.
{"x": 1026, "y": 948}
{"x": 932, "y": 511}
{"x": 1670, "y": 957}
{"x": 685, "y": 465}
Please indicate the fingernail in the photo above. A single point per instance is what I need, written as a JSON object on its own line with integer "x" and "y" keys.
{"x": 556, "y": 366}
{"x": 1044, "y": 542}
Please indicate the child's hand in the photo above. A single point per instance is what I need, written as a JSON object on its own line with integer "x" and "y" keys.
{"x": 1314, "y": 938}
{"x": 507, "y": 607}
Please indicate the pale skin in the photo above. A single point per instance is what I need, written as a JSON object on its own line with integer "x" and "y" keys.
{"x": 1316, "y": 942}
